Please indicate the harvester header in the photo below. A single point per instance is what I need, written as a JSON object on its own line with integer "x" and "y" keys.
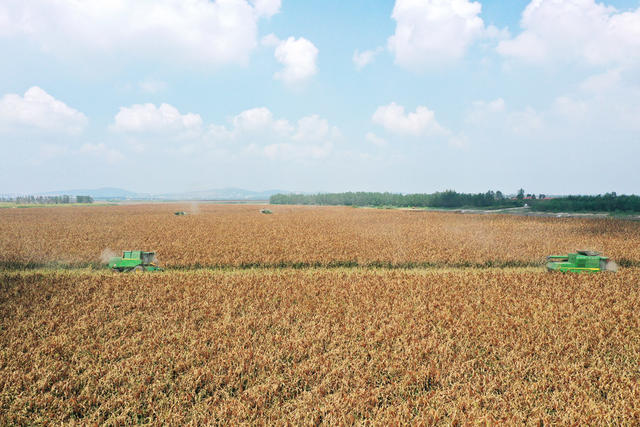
{"x": 137, "y": 261}
{"x": 581, "y": 262}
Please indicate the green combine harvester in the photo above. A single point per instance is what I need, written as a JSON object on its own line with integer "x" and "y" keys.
{"x": 136, "y": 261}
{"x": 581, "y": 262}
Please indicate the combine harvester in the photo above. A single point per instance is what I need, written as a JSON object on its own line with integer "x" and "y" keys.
{"x": 136, "y": 261}
{"x": 581, "y": 262}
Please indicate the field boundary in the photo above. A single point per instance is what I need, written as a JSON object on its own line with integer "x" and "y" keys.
{"x": 380, "y": 265}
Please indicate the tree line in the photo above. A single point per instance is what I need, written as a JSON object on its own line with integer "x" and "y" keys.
{"x": 444, "y": 199}
{"x": 609, "y": 202}
{"x": 48, "y": 200}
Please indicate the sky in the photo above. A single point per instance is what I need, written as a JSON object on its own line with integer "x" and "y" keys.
{"x": 406, "y": 96}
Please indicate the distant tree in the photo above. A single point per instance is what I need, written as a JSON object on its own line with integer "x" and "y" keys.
{"x": 499, "y": 195}
{"x": 541, "y": 196}
{"x": 84, "y": 199}
{"x": 520, "y": 194}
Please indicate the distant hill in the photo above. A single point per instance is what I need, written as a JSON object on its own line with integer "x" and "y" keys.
{"x": 98, "y": 193}
{"x": 221, "y": 194}
{"x": 110, "y": 193}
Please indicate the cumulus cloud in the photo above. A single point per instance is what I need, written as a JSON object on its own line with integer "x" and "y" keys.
{"x": 298, "y": 57}
{"x": 432, "y": 32}
{"x": 375, "y": 139}
{"x": 260, "y": 121}
{"x": 575, "y": 31}
{"x": 256, "y": 120}
{"x": 602, "y": 82}
{"x": 495, "y": 115}
{"x": 37, "y": 110}
{"x": 212, "y": 32}
{"x": 362, "y": 59}
{"x": 147, "y": 118}
{"x": 421, "y": 122}
{"x": 312, "y": 128}
{"x": 262, "y": 133}
{"x": 253, "y": 131}
{"x": 266, "y": 8}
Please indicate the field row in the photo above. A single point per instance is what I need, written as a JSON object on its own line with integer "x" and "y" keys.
{"x": 223, "y": 235}
{"x": 320, "y": 345}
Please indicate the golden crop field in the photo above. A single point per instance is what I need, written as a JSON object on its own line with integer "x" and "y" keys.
{"x": 224, "y": 235}
{"x": 305, "y": 346}
{"x": 307, "y": 324}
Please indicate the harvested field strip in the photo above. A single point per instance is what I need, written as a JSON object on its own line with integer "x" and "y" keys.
{"x": 304, "y": 346}
{"x": 17, "y": 266}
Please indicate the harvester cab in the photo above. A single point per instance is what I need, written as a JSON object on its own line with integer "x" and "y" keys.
{"x": 137, "y": 261}
{"x": 581, "y": 262}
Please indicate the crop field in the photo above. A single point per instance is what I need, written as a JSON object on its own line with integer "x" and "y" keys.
{"x": 224, "y": 235}
{"x": 314, "y": 316}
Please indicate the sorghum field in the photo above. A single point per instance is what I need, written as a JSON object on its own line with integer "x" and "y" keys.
{"x": 319, "y": 316}
{"x": 239, "y": 235}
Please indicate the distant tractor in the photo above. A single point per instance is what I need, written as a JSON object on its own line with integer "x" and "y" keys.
{"x": 581, "y": 262}
{"x": 136, "y": 261}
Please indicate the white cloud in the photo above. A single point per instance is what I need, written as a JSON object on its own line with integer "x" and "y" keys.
{"x": 431, "y": 32}
{"x": 312, "y": 128}
{"x": 602, "y": 82}
{"x": 263, "y": 134}
{"x": 420, "y": 122}
{"x": 261, "y": 122}
{"x": 147, "y": 118}
{"x": 203, "y": 31}
{"x": 496, "y": 116}
{"x": 610, "y": 100}
{"x": 152, "y": 86}
{"x": 255, "y": 119}
{"x": 575, "y": 31}
{"x": 37, "y": 110}
{"x": 362, "y": 59}
{"x": 375, "y": 139}
{"x": 266, "y": 8}
{"x": 298, "y": 56}
{"x": 495, "y": 106}
{"x": 270, "y": 40}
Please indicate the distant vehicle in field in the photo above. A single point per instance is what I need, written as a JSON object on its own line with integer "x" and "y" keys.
{"x": 180, "y": 213}
{"x": 266, "y": 211}
{"x": 137, "y": 261}
{"x": 581, "y": 262}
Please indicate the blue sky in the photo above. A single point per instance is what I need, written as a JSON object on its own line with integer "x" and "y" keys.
{"x": 405, "y": 95}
